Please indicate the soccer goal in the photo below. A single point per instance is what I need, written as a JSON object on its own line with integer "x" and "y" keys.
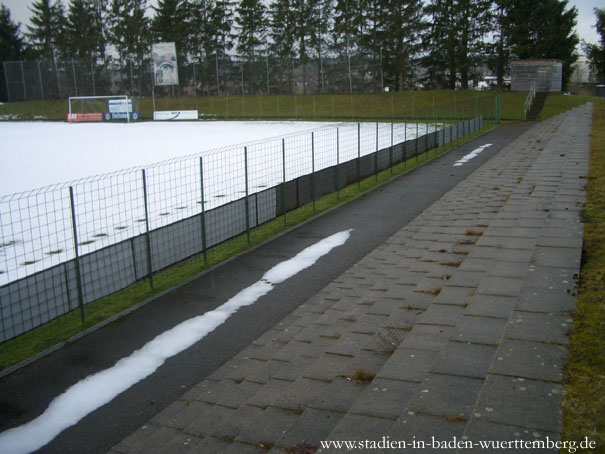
{"x": 102, "y": 108}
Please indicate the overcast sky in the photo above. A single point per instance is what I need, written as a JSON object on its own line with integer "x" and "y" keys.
{"x": 585, "y": 28}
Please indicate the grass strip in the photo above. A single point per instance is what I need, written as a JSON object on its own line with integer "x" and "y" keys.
{"x": 584, "y": 403}
{"x": 61, "y": 329}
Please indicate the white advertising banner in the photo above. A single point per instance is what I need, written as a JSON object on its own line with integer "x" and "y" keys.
{"x": 165, "y": 70}
{"x": 175, "y": 115}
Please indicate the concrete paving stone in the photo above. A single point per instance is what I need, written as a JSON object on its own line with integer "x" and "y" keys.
{"x": 368, "y": 360}
{"x": 263, "y": 352}
{"x": 515, "y": 439}
{"x": 146, "y": 439}
{"x": 549, "y": 241}
{"x": 446, "y": 395}
{"x": 358, "y": 428}
{"x": 271, "y": 390}
{"x": 312, "y": 427}
{"x": 384, "y": 398}
{"x": 527, "y": 359}
{"x": 181, "y": 443}
{"x": 231, "y": 427}
{"x": 438, "y": 314}
{"x": 198, "y": 390}
{"x": 479, "y": 330}
{"x": 243, "y": 448}
{"x": 430, "y": 285}
{"x": 557, "y": 257}
{"x": 179, "y": 413}
{"x": 484, "y": 252}
{"x": 427, "y": 337}
{"x": 565, "y": 279}
{"x": 399, "y": 285}
{"x": 239, "y": 394}
{"x": 383, "y": 306}
{"x": 569, "y": 214}
{"x": 539, "y": 327}
{"x": 268, "y": 426}
{"x": 338, "y": 396}
{"x": 430, "y": 269}
{"x": 349, "y": 344}
{"x": 424, "y": 434}
{"x": 204, "y": 424}
{"x": 455, "y": 295}
{"x": 401, "y": 318}
{"x": 557, "y": 232}
{"x": 546, "y": 300}
{"x": 367, "y": 323}
{"x": 475, "y": 264}
{"x": 490, "y": 306}
{"x": 465, "y": 278}
{"x": 212, "y": 394}
{"x": 225, "y": 369}
{"x": 464, "y": 359}
{"x": 327, "y": 367}
{"x": 491, "y": 241}
{"x": 300, "y": 393}
{"x": 500, "y": 286}
{"x": 253, "y": 370}
{"x": 526, "y": 403}
{"x": 523, "y": 256}
{"x": 507, "y": 269}
{"x": 298, "y": 348}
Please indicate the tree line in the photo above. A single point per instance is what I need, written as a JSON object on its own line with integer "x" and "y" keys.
{"x": 428, "y": 43}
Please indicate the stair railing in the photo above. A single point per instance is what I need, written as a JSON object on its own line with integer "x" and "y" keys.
{"x": 530, "y": 98}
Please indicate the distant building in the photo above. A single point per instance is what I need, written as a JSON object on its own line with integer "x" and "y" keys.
{"x": 546, "y": 74}
{"x": 582, "y": 73}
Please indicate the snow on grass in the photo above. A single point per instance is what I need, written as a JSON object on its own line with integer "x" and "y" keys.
{"x": 101, "y": 388}
{"x": 36, "y": 227}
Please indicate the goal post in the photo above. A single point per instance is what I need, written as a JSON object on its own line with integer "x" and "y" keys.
{"x": 102, "y": 108}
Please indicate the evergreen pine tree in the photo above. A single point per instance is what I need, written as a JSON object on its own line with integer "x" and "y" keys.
{"x": 84, "y": 33}
{"x": 251, "y": 25}
{"x": 544, "y": 29}
{"x": 12, "y": 44}
{"x": 129, "y": 29}
{"x": 594, "y": 52}
{"x": 46, "y": 32}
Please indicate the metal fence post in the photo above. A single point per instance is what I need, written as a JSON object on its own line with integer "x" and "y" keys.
{"x": 247, "y": 202}
{"x": 313, "y": 169}
{"x": 283, "y": 186}
{"x": 376, "y": 156}
{"x": 203, "y": 217}
{"x": 77, "y": 253}
{"x": 358, "y": 156}
{"x": 391, "y": 149}
{"x": 416, "y": 139}
{"x": 337, "y": 170}
{"x": 147, "y": 235}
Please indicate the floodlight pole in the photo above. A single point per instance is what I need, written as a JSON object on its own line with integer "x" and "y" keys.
{"x": 152, "y": 87}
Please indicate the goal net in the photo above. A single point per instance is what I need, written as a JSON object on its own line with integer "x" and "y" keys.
{"x": 103, "y": 108}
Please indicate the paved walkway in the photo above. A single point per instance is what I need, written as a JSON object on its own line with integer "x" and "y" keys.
{"x": 457, "y": 326}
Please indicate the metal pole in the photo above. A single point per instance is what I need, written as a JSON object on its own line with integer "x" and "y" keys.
{"x": 203, "y": 217}
{"x": 247, "y": 200}
{"x": 313, "y": 169}
{"x": 416, "y": 140}
{"x": 147, "y": 236}
{"x": 73, "y": 72}
{"x": 92, "y": 75}
{"x": 337, "y": 169}
{"x": 381, "y": 73}
{"x": 283, "y": 187}
{"x": 23, "y": 80}
{"x": 40, "y": 79}
{"x": 152, "y": 87}
{"x": 358, "y": 156}
{"x": 217, "y": 78}
{"x": 391, "y": 149}
{"x": 77, "y": 253}
{"x": 376, "y": 156}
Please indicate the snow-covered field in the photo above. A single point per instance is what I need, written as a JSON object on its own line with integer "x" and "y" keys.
{"x": 36, "y": 224}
